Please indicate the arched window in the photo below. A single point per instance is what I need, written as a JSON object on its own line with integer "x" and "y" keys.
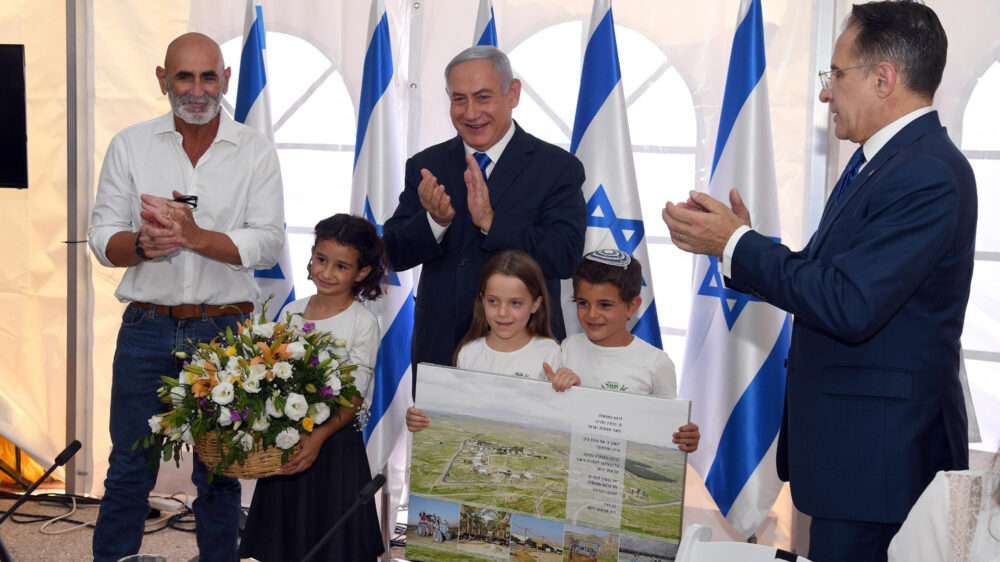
{"x": 662, "y": 125}
{"x": 981, "y": 145}
{"x": 314, "y": 128}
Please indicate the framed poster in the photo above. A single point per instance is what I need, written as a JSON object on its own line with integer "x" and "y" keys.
{"x": 509, "y": 469}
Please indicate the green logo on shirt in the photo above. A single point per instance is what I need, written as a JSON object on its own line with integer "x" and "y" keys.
{"x": 613, "y": 385}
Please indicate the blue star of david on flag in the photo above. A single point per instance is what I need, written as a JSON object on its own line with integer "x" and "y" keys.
{"x": 393, "y": 279}
{"x": 713, "y": 286}
{"x": 607, "y": 219}
{"x": 619, "y": 227}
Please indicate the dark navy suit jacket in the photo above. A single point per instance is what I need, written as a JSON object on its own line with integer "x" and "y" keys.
{"x": 873, "y": 404}
{"x": 535, "y": 190}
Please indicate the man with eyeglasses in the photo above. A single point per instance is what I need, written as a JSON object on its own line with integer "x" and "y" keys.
{"x": 873, "y": 402}
{"x": 190, "y": 203}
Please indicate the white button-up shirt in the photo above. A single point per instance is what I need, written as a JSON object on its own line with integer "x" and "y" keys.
{"x": 238, "y": 184}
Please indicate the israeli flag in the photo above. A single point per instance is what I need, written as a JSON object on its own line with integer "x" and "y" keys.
{"x": 486, "y": 27}
{"x": 378, "y": 180}
{"x": 253, "y": 109}
{"x": 734, "y": 370}
{"x": 601, "y": 141}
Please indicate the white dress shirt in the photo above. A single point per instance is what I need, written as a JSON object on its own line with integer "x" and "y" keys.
{"x": 238, "y": 184}
{"x": 870, "y": 148}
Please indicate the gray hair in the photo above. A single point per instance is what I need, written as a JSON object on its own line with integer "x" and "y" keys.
{"x": 488, "y": 53}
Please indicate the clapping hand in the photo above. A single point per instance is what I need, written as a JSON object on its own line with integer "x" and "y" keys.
{"x": 703, "y": 225}
{"x": 434, "y": 199}
{"x": 480, "y": 208}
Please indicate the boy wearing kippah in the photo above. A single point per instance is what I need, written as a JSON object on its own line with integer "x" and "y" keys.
{"x": 606, "y": 285}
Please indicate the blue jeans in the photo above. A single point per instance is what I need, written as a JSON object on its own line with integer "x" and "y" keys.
{"x": 144, "y": 353}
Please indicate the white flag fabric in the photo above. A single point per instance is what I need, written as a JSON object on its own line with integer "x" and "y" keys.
{"x": 486, "y": 27}
{"x": 253, "y": 109}
{"x": 736, "y": 345}
{"x": 601, "y": 141}
{"x": 378, "y": 180}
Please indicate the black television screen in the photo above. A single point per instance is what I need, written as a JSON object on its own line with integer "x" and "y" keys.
{"x": 13, "y": 123}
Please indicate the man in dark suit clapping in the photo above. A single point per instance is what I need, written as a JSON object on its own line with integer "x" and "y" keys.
{"x": 492, "y": 188}
{"x": 873, "y": 403}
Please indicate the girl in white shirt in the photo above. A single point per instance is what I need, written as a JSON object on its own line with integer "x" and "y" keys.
{"x": 510, "y": 333}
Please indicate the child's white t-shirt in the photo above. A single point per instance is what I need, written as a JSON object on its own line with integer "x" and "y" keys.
{"x": 525, "y": 362}
{"x": 358, "y": 326}
{"x": 638, "y": 367}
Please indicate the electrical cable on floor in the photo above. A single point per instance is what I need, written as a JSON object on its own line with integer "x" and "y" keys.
{"x": 182, "y": 520}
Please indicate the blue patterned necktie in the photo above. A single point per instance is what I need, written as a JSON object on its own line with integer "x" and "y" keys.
{"x": 850, "y": 172}
{"x": 483, "y": 159}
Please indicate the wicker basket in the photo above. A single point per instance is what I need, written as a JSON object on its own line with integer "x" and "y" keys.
{"x": 260, "y": 463}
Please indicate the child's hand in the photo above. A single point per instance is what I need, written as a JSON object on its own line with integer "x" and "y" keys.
{"x": 306, "y": 456}
{"x": 687, "y": 438}
{"x": 416, "y": 420}
{"x": 561, "y": 379}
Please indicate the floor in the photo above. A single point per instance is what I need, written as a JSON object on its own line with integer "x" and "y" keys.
{"x": 32, "y": 534}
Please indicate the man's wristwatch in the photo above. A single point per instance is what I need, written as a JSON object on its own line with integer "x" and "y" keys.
{"x": 140, "y": 251}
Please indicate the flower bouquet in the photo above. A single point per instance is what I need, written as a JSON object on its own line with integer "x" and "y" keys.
{"x": 242, "y": 399}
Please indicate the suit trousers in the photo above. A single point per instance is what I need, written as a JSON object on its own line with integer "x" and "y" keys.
{"x": 837, "y": 540}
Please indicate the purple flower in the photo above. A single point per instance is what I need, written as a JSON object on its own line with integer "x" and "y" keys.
{"x": 246, "y": 413}
{"x": 308, "y": 327}
{"x": 234, "y": 415}
{"x": 314, "y": 361}
{"x": 202, "y": 403}
{"x": 326, "y": 391}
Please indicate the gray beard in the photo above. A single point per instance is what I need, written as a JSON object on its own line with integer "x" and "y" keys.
{"x": 179, "y": 105}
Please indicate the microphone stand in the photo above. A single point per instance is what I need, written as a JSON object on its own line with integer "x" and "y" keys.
{"x": 64, "y": 456}
{"x": 363, "y": 497}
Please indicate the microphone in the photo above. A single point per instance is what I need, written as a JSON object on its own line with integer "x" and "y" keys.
{"x": 68, "y": 452}
{"x": 64, "y": 456}
{"x": 364, "y": 496}
{"x": 372, "y": 487}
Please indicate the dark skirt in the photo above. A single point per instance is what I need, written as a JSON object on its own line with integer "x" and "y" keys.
{"x": 290, "y": 514}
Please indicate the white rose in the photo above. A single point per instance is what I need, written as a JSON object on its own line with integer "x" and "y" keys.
{"x": 244, "y": 440}
{"x": 154, "y": 424}
{"x": 333, "y": 381}
{"x": 287, "y": 438}
{"x": 265, "y": 330}
{"x": 320, "y": 412}
{"x": 177, "y": 394}
{"x": 271, "y": 410}
{"x": 251, "y": 385}
{"x": 296, "y": 350}
{"x": 282, "y": 370}
{"x": 257, "y": 371}
{"x": 296, "y": 406}
{"x": 225, "y": 416}
{"x": 223, "y": 393}
{"x": 260, "y": 423}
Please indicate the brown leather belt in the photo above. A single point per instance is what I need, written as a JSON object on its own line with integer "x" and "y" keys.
{"x": 196, "y": 310}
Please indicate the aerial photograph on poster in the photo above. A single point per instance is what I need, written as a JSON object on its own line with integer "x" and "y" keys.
{"x": 590, "y": 458}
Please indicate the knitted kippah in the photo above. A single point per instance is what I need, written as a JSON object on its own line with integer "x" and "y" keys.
{"x": 609, "y": 256}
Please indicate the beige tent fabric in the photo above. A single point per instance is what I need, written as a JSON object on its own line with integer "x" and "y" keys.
{"x": 33, "y": 277}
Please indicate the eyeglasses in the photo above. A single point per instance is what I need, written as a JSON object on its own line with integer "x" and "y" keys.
{"x": 826, "y": 76}
{"x": 189, "y": 199}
